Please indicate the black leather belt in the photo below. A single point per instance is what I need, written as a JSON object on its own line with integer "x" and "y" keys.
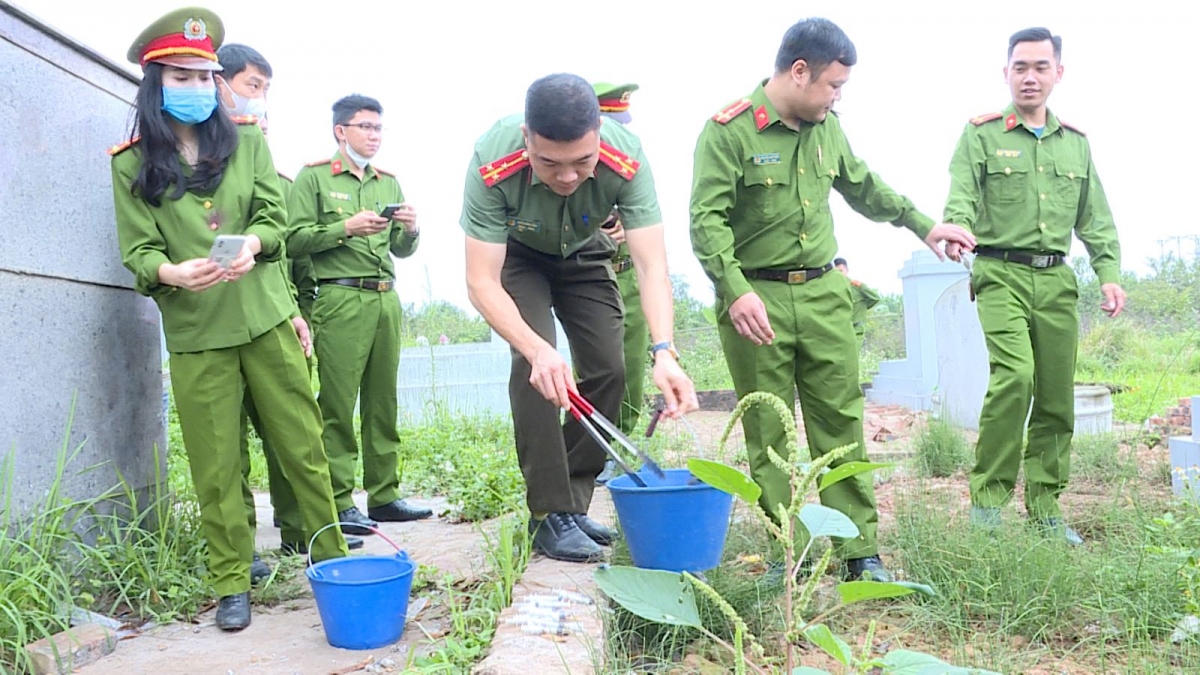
{"x": 621, "y": 264}
{"x": 380, "y": 285}
{"x": 790, "y": 276}
{"x": 1035, "y": 260}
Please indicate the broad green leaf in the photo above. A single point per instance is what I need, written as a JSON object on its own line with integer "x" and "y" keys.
{"x": 821, "y": 636}
{"x": 923, "y": 589}
{"x": 847, "y": 470}
{"x": 822, "y": 521}
{"x": 858, "y": 591}
{"x": 805, "y": 670}
{"x": 661, "y": 597}
{"x": 904, "y": 662}
{"x": 725, "y": 479}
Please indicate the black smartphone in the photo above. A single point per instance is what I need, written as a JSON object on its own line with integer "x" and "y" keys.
{"x": 389, "y": 211}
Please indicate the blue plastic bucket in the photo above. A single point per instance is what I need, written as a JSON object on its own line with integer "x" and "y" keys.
{"x": 674, "y": 524}
{"x": 362, "y": 600}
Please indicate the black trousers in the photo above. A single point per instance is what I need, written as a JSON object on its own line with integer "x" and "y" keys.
{"x": 560, "y": 461}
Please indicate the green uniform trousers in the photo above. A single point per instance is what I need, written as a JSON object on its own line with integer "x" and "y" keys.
{"x": 814, "y": 352}
{"x": 357, "y": 341}
{"x": 283, "y": 498}
{"x": 208, "y": 388}
{"x": 560, "y": 462}
{"x": 637, "y": 350}
{"x": 1031, "y": 326}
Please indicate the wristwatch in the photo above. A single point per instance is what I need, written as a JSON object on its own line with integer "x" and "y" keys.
{"x": 659, "y": 346}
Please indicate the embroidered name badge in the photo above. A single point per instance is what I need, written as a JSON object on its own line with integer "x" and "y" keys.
{"x": 766, "y": 158}
{"x": 1010, "y": 154}
{"x": 525, "y": 225}
{"x": 339, "y": 195}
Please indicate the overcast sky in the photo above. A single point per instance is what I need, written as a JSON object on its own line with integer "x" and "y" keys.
{"x": 445, "y": 70}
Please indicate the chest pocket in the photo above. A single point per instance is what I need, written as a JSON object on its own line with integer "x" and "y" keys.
{"x": 826, "y": 175}
{"x": 333, "y": 210}
{"x": 767, "y": 190}
{"x": 1007, "y": 181}
{"x": 1068, "y": 181}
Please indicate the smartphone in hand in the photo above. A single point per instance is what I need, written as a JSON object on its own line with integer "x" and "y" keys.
{"x": 226, "y": 248}
{"x": 389, "y": 211}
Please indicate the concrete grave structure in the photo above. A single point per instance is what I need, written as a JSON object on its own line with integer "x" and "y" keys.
{"x": 73, "y": 331}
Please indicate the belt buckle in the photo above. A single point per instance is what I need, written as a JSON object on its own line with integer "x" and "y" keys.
{"x": 797, "y": 277}
{"x": 383, "y": 286}
{"x": 1041, "y": 261}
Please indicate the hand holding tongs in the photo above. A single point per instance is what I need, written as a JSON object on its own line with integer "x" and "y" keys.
{"x": 590, "y": 418}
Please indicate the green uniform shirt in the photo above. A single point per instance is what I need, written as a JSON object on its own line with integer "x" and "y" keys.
{"x": 302, "y": 281}
{"x": 247, "y": 201}
{"x": 520, "y": 206}
{"x": 760, "y": 194}
{"x": 1016, "y": 191}
{"x": 324, "y": 196}
{"x": 865, "y": 298}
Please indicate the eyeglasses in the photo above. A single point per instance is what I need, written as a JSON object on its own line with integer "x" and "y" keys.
{"x": 367, "y": 127}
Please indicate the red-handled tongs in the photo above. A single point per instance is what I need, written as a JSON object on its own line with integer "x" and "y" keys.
{"x": 582, "y": 410}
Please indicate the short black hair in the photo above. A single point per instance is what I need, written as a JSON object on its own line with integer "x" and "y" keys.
{"x": 345, "y": 108}
{"x": 1036, "y": 35}
{"x": 234, "y": 58}
{"x": 819, "y": 42}
{"x": 561, "y": 107}
{"x": 840, "y": 261}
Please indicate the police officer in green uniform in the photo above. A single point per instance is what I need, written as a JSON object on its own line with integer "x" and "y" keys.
{"x": 1023, "y": 180}
{"x": 190, "y": 176}
{"x": 864, "y": 298}
{"x": 538, "y": 189}
{"x": 242, "y": 87}
{"x": 761, "y": 227}
{"x": 614, "y": 105}
{"x": 335, "y": 218}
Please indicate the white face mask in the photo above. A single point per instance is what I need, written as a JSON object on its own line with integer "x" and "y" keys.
{"x": 246, "y": 106}
{"x": 359, "y": 161}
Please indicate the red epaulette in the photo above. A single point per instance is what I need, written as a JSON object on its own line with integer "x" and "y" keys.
{"x": 122, "y": 147}
{"x": 855, "y": 282}
{"x": 1070, "y": 126}
{"x": 732, "y": 111}
{"x": 625, "y": 166}
{"x": 987, "y": 117}
{"x": 498, "y": 170}
{"x": 244, "y": 119}
{"x": 319, "y": 162}
{"x": 386, "y": 173}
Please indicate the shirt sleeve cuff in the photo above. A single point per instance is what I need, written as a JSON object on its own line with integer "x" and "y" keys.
{"x": 735, "y": 286}
{"x": 919, "y": 223}
{"x": 1108, "y": 274}
{"x": 271, "y": 243}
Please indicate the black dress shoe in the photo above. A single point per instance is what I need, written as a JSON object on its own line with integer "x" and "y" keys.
{"x": 259, "y": 570}
{"x": 357, "y": 522}
{"x": 301, "y": 547}
{"x": 398, "y": 511}
{"x": 559, "y": 537}
{"x": 867, "y": 569}
{"x": 599, "y": 533}
{"x": 233, "y": 612}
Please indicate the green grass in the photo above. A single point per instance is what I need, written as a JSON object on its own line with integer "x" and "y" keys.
{"x": 1102, "y": 458}
{"x": 941, "y": 450}
{"x": 1156, "y": 367}
{"x": 1108, "y": 603}
{"x": 113, "y": 553}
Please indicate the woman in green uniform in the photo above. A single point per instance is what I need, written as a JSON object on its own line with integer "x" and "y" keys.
{"x": 190, "y": 175}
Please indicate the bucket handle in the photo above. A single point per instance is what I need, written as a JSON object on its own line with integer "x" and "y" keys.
{"x": 335, "y": 523}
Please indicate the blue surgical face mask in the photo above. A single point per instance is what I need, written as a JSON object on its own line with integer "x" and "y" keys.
{"x": 189, "y": 105}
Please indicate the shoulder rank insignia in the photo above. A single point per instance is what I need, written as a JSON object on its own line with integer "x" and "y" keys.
{"x": 319, "y": 162}
{"x": 1072, "y": 127}
{"x": 494, "y": 172}
{"x": 855, "y": 283}
{"x": 122, "y": 147}
{"x": 623, "y": 164}
{"x": 244, "y": 119}
{"x": 732, "y": 111}
{"x": 384, "y": 172}
{"x": 982, "y": 119}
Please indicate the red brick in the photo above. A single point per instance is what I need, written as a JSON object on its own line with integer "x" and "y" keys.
{"x": 76, "y": 647}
